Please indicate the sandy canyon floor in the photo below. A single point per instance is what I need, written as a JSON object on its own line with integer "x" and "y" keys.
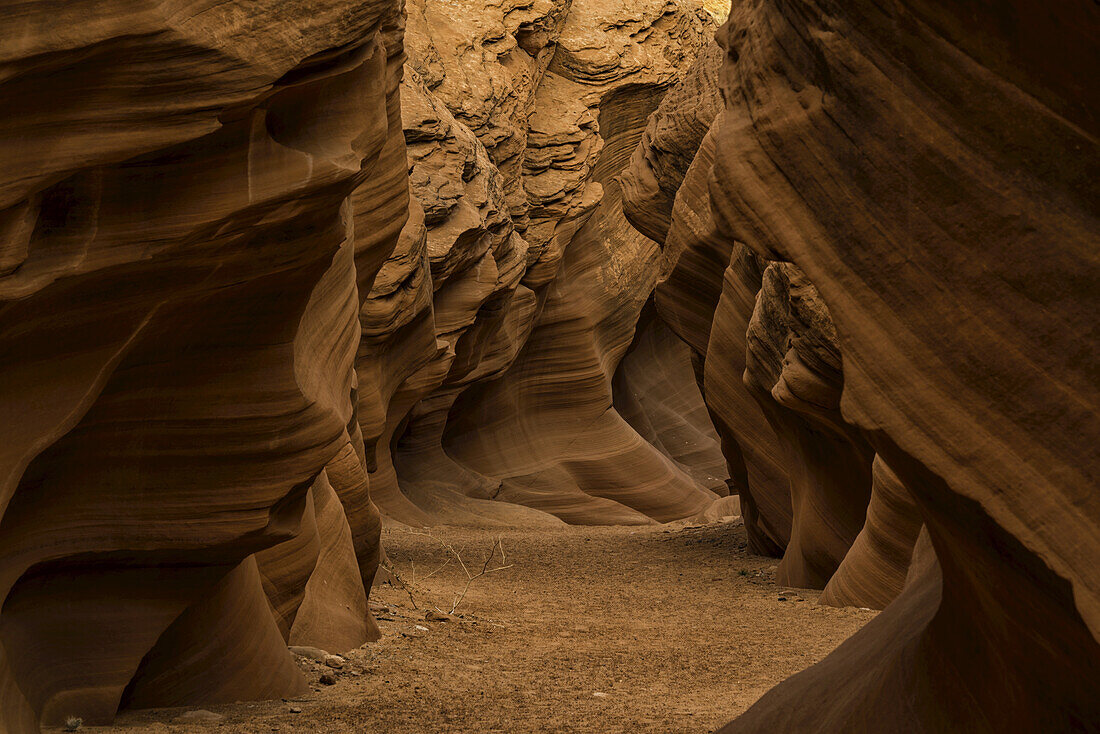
{"x": 674, "y": 628}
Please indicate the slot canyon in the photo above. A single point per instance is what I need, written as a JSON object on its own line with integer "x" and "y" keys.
{"x": 550, "y": 365}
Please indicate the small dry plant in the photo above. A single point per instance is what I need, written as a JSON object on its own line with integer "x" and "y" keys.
{"x": 454, "y": 556}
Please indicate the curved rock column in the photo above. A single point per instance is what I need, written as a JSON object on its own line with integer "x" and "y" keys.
{"x": 706, "y": 290}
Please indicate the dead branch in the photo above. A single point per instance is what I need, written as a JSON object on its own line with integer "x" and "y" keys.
{"x": 393, "y": 572}
{"x": 453, "y": 556}
{"x": 471, "y": 577}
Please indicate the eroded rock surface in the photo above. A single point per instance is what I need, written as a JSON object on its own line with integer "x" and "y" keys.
{"x": 517, "y": 118}
{"x": 922, "y": 181}
{"x": 255, "y": 269}
{"x": 178, "y": 328}
{"x": 706, "y": 289}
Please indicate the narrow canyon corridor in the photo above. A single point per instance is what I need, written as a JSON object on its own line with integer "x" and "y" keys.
{"x": 672, "y": 628}
{"x": 725, "y": 366}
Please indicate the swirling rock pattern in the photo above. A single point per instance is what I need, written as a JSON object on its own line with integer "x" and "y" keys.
{"x": 496, "y": 327}
{"x": 956, "y": 252}
{"x": 913, "y": 318}
{"x": 224, "y": 325}
{"x": 655, "y": 391}
{"x": 178, "y": 300}
{"x": 873, "y": 571}
{"x": 706, "y": 290}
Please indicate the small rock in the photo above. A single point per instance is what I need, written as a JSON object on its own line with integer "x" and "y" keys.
{"x": 312, "y": 653}
{"x": 421, "y": 628}
{"x": 433, "y": 616}
{"x": 295, "y": 710}
{"x": 600, "y": 694}
{"x": 200, "y": 715}
{"x": 328, "y": 679}
{"x": 73, "y": 723}
{"x": 334, "y": 661}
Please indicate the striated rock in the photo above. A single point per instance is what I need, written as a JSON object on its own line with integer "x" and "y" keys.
{"x": 669, "y": 144}
{"x": 873, "y": 572}
{"x": 931, "y": 171}
{"x": 666, "y": 196}
{"x": 178, "y": 298}
{"x": 547, "y": 428}
{"x": 794, "y": 371}
{"x": 484, "y": 345}
{"x": 655, "y": 391}
{"x": 753, "y": 452}
{"x": 916, "y": 343}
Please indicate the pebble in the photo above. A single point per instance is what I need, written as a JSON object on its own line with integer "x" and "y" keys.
{"x": 312, "y": 653}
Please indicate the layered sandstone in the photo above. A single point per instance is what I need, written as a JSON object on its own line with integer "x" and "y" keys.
{"x": 503, "y": 386}
{"x": 225, "y": 326}
{"x": 921, "y": 180}
{"x": 706, "y": 289}
{"x": 183, "y": 488}
{"x": 794, "y": 371}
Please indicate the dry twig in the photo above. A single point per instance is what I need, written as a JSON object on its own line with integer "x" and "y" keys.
{"x": 454, "y": 555}
{"x": 471, "y": 577}
{"x": 408, "y": 590}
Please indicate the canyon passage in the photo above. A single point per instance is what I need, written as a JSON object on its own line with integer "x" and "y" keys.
{"x": 549, "y": 365}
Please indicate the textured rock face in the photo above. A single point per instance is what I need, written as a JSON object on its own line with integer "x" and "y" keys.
{"x": 181, "y": 491}
{"x": 576, "y": 457}
{"x": 873, "y": 571}
{"x": 224, "y": 325}
{"x": 498, "y": 324}
{"x": 925, "y": 177}
{"x": 794, "y": 371}
{"x": 655, "y": 391}
{"x": 706, "y": 290}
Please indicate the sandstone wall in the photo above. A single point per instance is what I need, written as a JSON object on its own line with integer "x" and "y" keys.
{"x": 912, "y": 309}
{"x": 518, "y": 117}
{"x": 706, "y": 289}
{"x": 255, "y": 270}
{"x": 183, "y": 491}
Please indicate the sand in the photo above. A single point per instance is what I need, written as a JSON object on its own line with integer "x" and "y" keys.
{"x": 669, "y": 628}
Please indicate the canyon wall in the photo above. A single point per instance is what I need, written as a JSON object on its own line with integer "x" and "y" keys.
{"x": 502, "y": 397}
{"x": 257, "y": 274}
{"x": 903, "y": 202}
{"x": 262, "y": 274}
{"x": 183, "y": 486}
